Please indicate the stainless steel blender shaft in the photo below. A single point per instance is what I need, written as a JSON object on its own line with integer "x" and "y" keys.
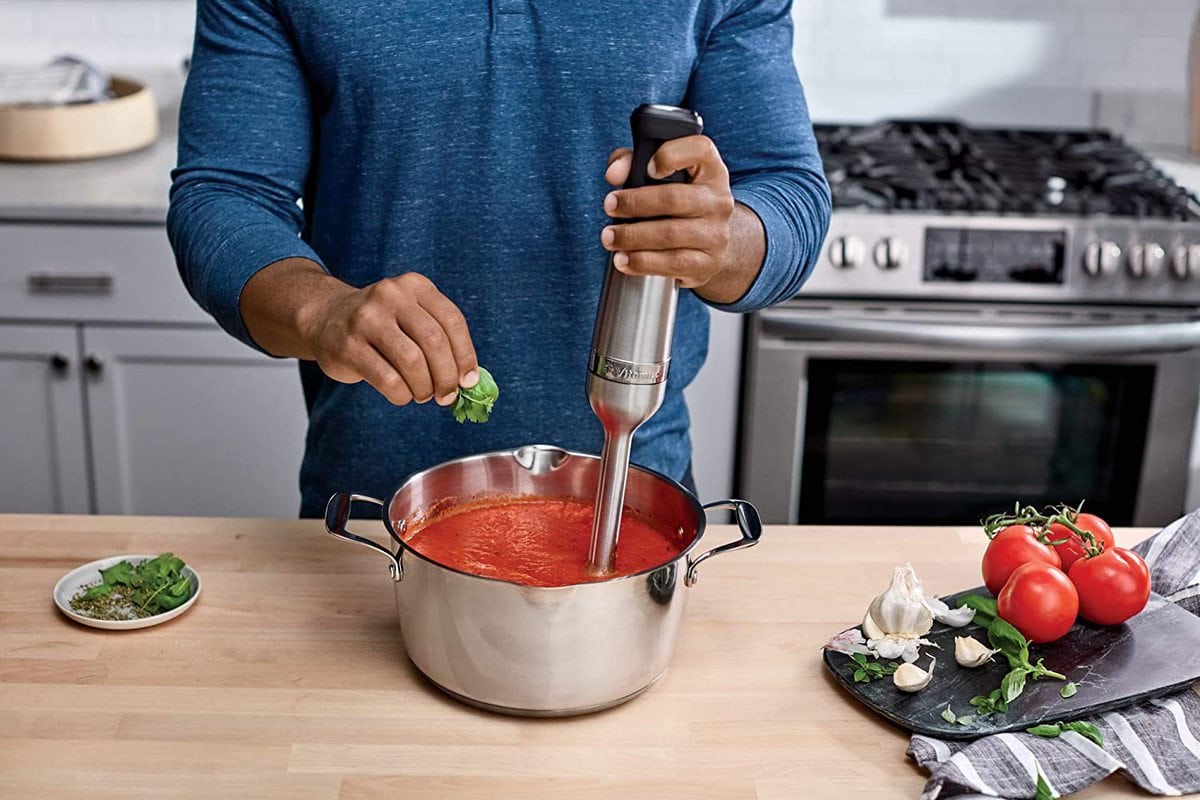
{"x": 631, "y": 344}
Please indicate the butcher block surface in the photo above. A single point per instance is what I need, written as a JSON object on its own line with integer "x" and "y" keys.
{"x": 288, "y": 678}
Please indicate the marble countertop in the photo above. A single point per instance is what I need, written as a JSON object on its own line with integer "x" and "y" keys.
{"x": 125, "y": 189}
{"x": 129, "y": 188}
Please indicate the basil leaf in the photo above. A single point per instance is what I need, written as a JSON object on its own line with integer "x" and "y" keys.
{"x": 949, "y": 716}
{"x": 1013, "y": 684}
{"x": 1069, "y": 690}
{"x": 475, "y": 404}
{"x": 1009, "y": 641}
{"x": 1043, "y": 789}
{"x": 983, "y": 606}
{"x": 1085, "y": 729}
{"x": 860, "y": 658}
{"x": 966, "y": 721}
{"x": 860, "y": 676}
{"x": 120, "y": 573}
{"x": 1047, "y": 731}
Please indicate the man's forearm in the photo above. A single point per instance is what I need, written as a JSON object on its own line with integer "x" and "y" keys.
{"x": 278, "y": 303}
{"x": 747, "y": 248}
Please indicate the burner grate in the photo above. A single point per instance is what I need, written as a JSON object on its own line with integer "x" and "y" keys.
{"x": 946, "y": 166}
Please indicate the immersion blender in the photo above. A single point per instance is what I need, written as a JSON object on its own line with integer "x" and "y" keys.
{"x": 631, "y": 344}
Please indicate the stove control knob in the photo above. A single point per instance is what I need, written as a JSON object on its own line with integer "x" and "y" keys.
{"x": 847, "y": 251}
{"x": 1147, "y": 260}
{"x": 1101, "y": 258}
{"x": 1185, "y": 262}
{"x": 890, "y": 253}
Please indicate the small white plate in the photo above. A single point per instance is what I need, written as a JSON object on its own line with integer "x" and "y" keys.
{"x": 70, "y": 584}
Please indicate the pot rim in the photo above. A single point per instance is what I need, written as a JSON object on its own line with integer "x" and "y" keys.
{"x": 692, "y": 500}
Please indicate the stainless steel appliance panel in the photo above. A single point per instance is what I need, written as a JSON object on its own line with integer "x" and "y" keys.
{"x": 787, "y": 343}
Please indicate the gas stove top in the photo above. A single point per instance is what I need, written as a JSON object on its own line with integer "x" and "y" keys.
{"x": 946, "y": 166}
{"x": 938, "y": 209}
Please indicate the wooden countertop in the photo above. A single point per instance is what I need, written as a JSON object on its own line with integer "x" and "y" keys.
{"x": 288, "y": 678}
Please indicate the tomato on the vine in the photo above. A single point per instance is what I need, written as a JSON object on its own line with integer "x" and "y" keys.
{"x": 1113, "y": 585}
{"x": 1073, "y": 548}
{"x": 1040, "y": 601}
{"x": 1009, "y": 549}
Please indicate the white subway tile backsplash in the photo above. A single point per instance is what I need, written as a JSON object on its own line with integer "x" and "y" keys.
{"x": 860, "y": 59}
{"x": 16, "y": 21}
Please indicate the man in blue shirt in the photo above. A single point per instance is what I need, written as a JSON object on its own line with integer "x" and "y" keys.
{"x": 450, "y": 158}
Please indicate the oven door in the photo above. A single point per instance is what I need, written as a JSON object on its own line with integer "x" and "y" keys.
{"x": 864, "y": 416}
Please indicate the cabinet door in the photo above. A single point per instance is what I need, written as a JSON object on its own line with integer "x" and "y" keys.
{"x": 191, "y": 422}
{"x": 712, "y": 400}
{"x": 43, "y": 456}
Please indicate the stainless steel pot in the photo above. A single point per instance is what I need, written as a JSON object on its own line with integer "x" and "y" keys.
{"x": 530, "y": 650}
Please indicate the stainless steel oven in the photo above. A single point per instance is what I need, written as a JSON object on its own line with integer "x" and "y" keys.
{"x": 998, "y": 315}
{"x": 923, "y": 412}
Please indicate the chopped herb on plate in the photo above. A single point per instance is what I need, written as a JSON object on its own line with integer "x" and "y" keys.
{"x": 129, "y": 591}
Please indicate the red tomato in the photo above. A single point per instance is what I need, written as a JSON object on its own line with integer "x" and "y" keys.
{"x": 1071, "y": 550}
{"x": 1040, "y": 601}
{"x": 1009, "y": 549}
{"x": 1113, "y": 586}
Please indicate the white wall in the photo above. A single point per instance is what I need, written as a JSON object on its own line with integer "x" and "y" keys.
{"x": 1119, "y": 62}
{"x": 155, "y": 33}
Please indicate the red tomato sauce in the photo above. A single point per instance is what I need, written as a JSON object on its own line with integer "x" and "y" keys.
{"x": 538, "y": 542}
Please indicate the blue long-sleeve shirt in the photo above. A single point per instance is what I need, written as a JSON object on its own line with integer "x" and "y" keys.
{"x": 467, "y": 141}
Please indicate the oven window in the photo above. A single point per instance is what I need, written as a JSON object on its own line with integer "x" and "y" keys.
{"x": 951, "y": 442}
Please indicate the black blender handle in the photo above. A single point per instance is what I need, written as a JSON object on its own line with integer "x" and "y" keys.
{"x": 652, "y": 125}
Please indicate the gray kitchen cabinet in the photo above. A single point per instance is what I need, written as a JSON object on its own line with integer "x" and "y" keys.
{"x": 189, "y": 421}
{"x": 43, "y": 455}
{"x": 152, "y": 409}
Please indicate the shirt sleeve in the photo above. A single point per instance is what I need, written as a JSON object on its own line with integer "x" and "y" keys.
{"x": 746, "y": 88}
{"x": 245, "y": 145}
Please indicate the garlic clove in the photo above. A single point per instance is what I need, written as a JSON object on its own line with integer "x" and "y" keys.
{"x": 954, "y": 617}
{"x": 849, "y": 642}
{"x": 911, "y": 678}
{"x": 970, "y": 652}
{"x": 871, "y": 628}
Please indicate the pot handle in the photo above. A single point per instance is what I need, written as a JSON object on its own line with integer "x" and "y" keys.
{"x": 337, "y": 514}
{"x": 748, "y": 522}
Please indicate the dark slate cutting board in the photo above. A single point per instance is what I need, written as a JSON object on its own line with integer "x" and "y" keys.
{"x": 1153, "y": 654}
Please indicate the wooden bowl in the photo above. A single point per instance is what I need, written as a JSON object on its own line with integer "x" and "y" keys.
{"x": 128, "y": 121}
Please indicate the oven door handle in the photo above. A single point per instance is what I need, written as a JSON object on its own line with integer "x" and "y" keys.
{"x": 1073, "y": 340}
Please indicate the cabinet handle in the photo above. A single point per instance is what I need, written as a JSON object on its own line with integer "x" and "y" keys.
{"x": 94, "y": 364}
{"x": 70, "y": 283}
{"x": 59, "y": 363}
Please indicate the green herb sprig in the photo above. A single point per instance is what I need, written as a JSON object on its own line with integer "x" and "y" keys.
{"x": 1014, "y": 647}
{"x": 954, "y": 719}
{"x": 867, "y": 670}
{"x": 475, "y": 404}
{"x": 136, "y": 591}
{"x": 993, "y": 703}
{"x": 1058, "y": 728}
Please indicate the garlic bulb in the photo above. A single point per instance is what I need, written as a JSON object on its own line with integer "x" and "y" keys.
{"x": 970, "y": 652}
{"x": 898, "y": 618}
{"x": 911, "y": 678}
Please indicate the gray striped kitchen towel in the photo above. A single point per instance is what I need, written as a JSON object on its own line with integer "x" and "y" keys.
{"x": 1153, "y": 743}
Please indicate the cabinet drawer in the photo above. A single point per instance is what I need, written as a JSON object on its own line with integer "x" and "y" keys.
{"x": 87, "y": 273}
